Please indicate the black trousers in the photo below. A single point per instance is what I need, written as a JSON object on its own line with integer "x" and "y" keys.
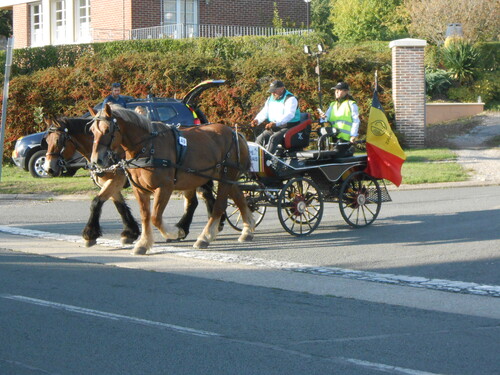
{"x": 273, "y": 138}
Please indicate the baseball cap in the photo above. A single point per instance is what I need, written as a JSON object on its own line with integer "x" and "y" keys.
{"x": 275, "y": 85}
{"x": 116, "y": 84}
{"x": 341, "y": 86}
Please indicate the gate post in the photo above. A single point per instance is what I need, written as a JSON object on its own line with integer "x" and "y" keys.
{"x": 408, "y": 89}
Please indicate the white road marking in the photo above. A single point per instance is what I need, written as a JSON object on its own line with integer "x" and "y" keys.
{"x": 106, "y": 315}
{"x": 386, "y": 368}
{"x": 195, "y": 332}
{"x": 403, "y": 280}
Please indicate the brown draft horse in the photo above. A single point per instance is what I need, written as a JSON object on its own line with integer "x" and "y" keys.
{"x": 64, "y": 136}
{"x": 213, "y": 152}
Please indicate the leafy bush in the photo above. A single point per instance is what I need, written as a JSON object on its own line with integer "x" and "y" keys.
{"x": 362, "y": 20}
{"x": 171, "y": 67}
{"x": 487, "y": 87}
{"x": 460, "y": 58}
{"x": 489, "y": 56}
{"x": 437, "y": 82}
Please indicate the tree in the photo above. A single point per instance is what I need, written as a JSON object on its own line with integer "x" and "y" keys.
{"x": 361, "y": 20}
{"x": 320, "y": 14}
{"x": 480, "y": 19}
{"x": 6, "y": 23}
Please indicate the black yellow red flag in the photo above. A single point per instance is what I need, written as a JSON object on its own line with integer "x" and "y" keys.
{"x": 385, "y": 155}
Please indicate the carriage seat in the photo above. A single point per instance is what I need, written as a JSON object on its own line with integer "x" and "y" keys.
{"x": 340, "y": 150}
{"x": 297, "y": 138}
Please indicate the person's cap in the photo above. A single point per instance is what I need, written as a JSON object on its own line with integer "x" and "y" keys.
{"x": 275, "y": 85}
{"x": 116, "y": 84}
{"x": 341, "y": 86}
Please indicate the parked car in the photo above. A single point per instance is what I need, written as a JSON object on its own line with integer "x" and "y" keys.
{"x": 29, "y": 151}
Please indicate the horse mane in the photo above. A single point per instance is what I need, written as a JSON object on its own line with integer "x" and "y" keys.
{"x": 131, "y": 117}
{"x": 75, "y": 125}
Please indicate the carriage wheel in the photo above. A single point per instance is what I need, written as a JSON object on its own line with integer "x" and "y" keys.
{"x": 360, "y": 199}
{"x": 300, "y": 206}
{"x": 233, "y": 214}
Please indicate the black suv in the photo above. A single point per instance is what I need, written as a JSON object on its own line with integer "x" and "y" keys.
{"x": 29, "y": 151}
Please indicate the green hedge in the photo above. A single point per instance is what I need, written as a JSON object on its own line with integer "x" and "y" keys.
{"x": 66, "y": 80}
{"x": 483, "y": 80}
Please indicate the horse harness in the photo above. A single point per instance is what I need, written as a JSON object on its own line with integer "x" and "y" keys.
{"x": 66, "y": 137}
{"x": 181, "y": 146}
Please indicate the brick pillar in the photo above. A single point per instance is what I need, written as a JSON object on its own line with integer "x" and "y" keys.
{"x": 408, "y": 89}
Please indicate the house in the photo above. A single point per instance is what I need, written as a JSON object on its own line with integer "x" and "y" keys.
{"x": 53, "y": 22}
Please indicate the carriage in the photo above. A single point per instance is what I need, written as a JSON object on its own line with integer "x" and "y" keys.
{"x": 299, "y": 183}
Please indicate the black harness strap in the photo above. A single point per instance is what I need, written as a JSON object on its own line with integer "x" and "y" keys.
{"x": 181, "y": 150}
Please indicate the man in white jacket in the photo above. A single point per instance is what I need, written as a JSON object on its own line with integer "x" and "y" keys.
{"x": 282, "y": 112}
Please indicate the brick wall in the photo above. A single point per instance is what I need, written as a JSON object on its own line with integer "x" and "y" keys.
{"x": 251, "y": 12}
{"x": 146, "y": 13}
{"x": 21, "y": 25}
{"x": 112, "y": 15}
{"x": 408, "y": 89}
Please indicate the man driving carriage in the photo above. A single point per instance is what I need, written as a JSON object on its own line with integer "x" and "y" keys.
{"x": 281, "y": 110}
{"x": 343, "y": 113}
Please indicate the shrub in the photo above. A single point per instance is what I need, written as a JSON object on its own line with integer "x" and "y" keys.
{"x": 487, "y": 87}
{"x": 437, "y": 82}
{"x": 460, "y": 60}
{"x": 170, "y": 68}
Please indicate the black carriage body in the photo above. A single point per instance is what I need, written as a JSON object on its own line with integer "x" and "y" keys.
{"x": 328, "y": 169}
{"x": 299, "y": 183}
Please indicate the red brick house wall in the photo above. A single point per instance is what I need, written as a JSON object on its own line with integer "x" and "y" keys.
{"x": 251, "y": 12}
{"x": 113, "y": 19}
{"x": 146, "y": 13}
{"x": 21, "y": 25}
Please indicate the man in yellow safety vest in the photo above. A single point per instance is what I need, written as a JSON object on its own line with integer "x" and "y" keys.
{"x": 343, "y": 113}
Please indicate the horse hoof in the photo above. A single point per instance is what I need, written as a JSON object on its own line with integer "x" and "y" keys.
{"x": 181, "y": 234}
{"x": 90, "y": 243}
{"x": 127, "y": 241}
{"x": 245, "y": 237}
{"x": 141, "y": 250}
{"x": 200, "y": 244}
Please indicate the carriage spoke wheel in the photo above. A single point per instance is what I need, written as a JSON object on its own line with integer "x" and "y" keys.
{"x": 233, "y": 214}
{"x": 360, "y": 199}
{"x": 300, "y": 206}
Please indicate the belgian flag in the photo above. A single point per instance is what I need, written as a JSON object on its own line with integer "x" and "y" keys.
{"x": 385, "y": 155}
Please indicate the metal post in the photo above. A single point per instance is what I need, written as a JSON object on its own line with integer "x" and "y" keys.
{"x": 8, "y": 64}
{"x": 320, "y": 94}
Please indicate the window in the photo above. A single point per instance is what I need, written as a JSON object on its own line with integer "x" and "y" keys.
{"x": 82, "y": 21}
{"x": 36, "y": 24}
{"x": 58, "y": 21}
{"x": 181, "y": 12}
{"x": 166, "y": 112}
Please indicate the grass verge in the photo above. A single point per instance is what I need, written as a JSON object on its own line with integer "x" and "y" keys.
{"x": 421, "y": 167}
{"x": 18, "y": 181}
{"x": 432, "y": 166}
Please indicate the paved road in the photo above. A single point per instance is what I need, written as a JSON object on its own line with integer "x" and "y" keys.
{"x": 72, "y": 317}
{"x": 258, "y": 308}
{"x": 448, "y": 234}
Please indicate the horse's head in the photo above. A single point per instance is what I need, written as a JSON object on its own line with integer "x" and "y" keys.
{"x": 59, "y": 148}
{"x": 107, "y": 137}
